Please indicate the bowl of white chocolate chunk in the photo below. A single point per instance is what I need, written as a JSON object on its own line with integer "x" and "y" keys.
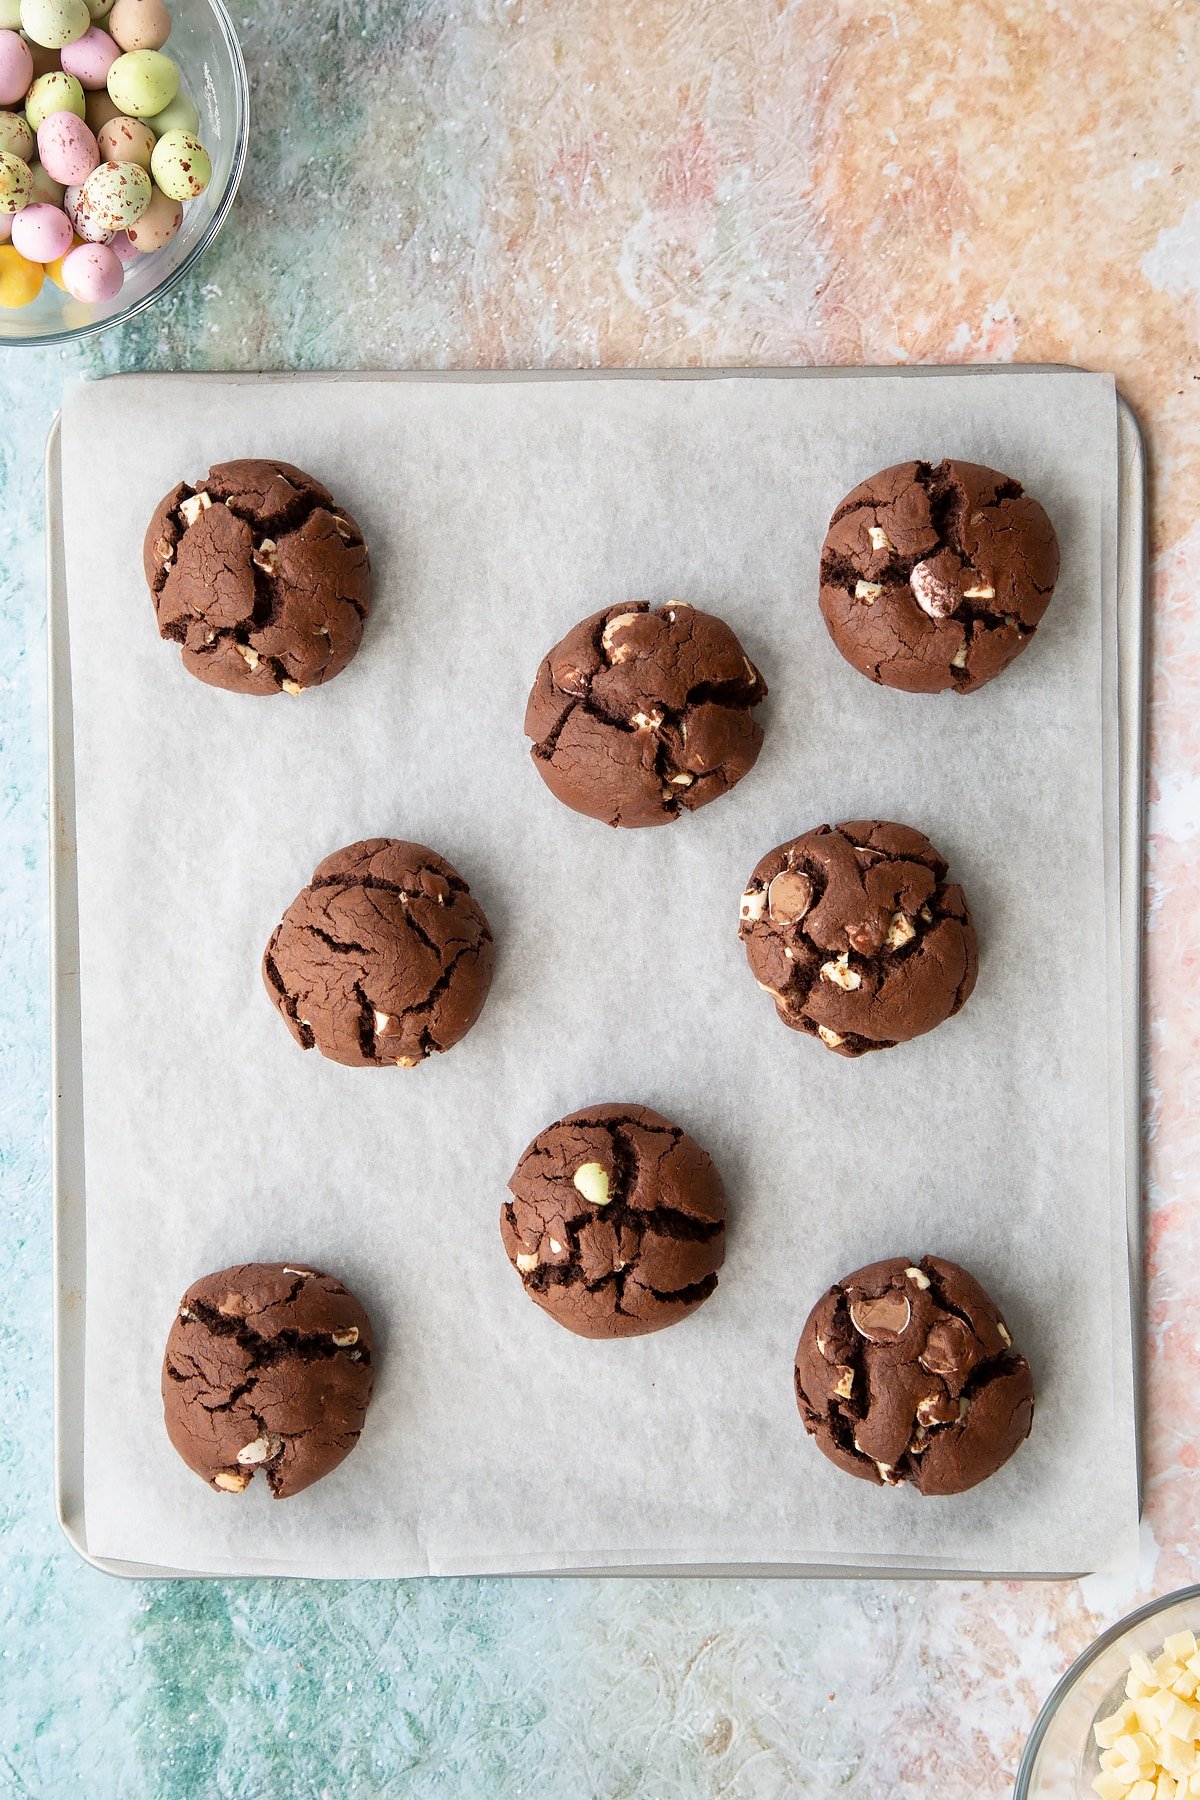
{"x": 1124, "y": 1721}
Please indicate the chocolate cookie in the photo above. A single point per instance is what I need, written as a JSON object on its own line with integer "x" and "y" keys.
{"x": 617, "y": 1222}
{"x": 268, "y": 1366}
{"x": 261, "y": 579}
{"x": 935, "y": 578}
{"x": 637, "y": 716}
{"x": 384, "y": 958}
{"x": 858, "y": 937}
{"x": 906, "y": 1372}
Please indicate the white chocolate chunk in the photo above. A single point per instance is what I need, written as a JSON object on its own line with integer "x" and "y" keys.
{"x": 191, "y": 508}
{"x": 754, "y": 904}
{"x": 979, "y": 593}
{"x": 959, "y": 659}
{"x": 264, "y": 556}
{"x": 832, "y": 1038}
{"x": 879, "y": 538}
{"x": 868, "y": 591}
{"x": 344, "y": 1339}
{"x": 555, "y": 1247}
{"x": 526, "y": 1260}
{"x": 622, "y": 652}
{"x": 841, "y": 974}
{"x": 230, "y": 1481}
{"x": 291, "y": 687}
{"x": 342, "y": 527}
{"x": 844, "y": 1385}
{"x": 647, "y": 721}
{"x": 250, "y": 657}
{"x": 262, "y": 1449}
{"x": 382, "y": 1021}
{"x": 591, "y": 1180}
{"x": 900, "y": 931}
{"x": 1002, "y": 1328}
{"x": 919, "y": 1277}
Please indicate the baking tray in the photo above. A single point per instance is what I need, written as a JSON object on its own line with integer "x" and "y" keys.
{"x": 1123, "y": 690}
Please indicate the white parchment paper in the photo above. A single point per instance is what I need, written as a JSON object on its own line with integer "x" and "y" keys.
{"x": 498, "y": 514}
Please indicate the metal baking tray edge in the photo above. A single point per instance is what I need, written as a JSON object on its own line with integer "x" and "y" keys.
{"x": 67, "y": 1150}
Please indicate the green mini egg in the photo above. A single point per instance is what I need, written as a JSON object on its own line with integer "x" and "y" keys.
{"x": 54, "y": 23}
{"x": 15, "y": 136}
{"x": 10, "y": 15}
{"x": 51, "y": 94}
{"x": 142, "y": 82}
{"x": 113, "y": 197}
{"x": 99, "y": 9}
{"x": 181, "y": 115}
{"x": 180, "y": 165}
{"x": 46, "y": 191}
{"x": 16, "y": 183}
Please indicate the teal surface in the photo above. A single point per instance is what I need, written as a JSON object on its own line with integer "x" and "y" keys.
{"x": 374, "y": 229}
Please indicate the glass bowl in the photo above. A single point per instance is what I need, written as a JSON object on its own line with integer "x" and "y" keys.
{"x": 213, "y": 76}
{"x": 1061, "y": 1757}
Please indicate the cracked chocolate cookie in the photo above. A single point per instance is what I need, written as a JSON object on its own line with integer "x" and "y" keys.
{"x": 935, "y": 578}
{"x": 384, "y": 958}
{"x": 637, "y": 716}
{"x": 268, "y": 1366}
{"x": 906, "y": 1372}
{"x": 616, "y": 1224}
{"x": 259, "y": 578}
{"x": 858, "y": 937}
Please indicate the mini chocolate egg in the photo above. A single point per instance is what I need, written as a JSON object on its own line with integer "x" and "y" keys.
{"x": 20, "y": 279}
{"x": 157, "y": 225}
{"x": 180, "y": 165}
{"x": 54, "y": 23}
{"x": 140, "y": 24}
{"x": 46, "y": 191}
{"x": 181, "y": 115}
{"x": 90, "y": 58}
{"x": 53, "y": 94}
{"x": 45, "y": 62}
{"x": 99, "y": 9}
{"x": 67, "y": 149}
{"x": 92, "y": 272}
{"x": 99, "y": 107}
{"x": 142, "y": 82}
{"x": 113, "y": 197}
{"x": 15, "y": 136}
{"x": 87, "y": 231}
{"x": 41, "y": 233}
{"x": 16, "y": 68}
{"x": 10, "y": 15}
{"x": 6, "y": 220}
{"x": 123, "y": 248}
{"x": 126, "y": 140}
{"x": 16, "y": 183}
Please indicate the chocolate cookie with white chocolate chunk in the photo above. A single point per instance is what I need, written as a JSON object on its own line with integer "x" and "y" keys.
{"x": 857, "y": 935}
{"x": 906, "y": 1372}
{"x": 383, "y": 959}
{"x": 638, "y": 716}
{"x": 936, "y": 578}
{"x": 616, "y": 1224}
{"x": 259, "y": 577}
{"x": 267, "y": 1366}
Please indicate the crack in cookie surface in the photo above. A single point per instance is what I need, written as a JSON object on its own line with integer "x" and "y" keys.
{"x": 906, "y": 1372}
{"x": 638, "y": 715}
{"x": 383, "y": 959}
{"x": 259, "y": 577}
{"x": 267, "y": 1366}
{"x": 857, "y": 935}
{"x": 616, "y": 1223}
{"x": 935, "y": 578}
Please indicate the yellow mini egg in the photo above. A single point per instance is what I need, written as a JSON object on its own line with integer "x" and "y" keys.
{"x": 20, "y": 280}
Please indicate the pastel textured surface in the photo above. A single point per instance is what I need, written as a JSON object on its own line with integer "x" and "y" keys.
{"x": 749, "y": 181}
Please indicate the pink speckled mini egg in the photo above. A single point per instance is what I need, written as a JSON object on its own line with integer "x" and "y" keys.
{"x": 122, "y": 248}
{"x": 92, "y": 272}
{"x": 16, "y": 68}
{"x": 41, "y": 233}
{"x": 67, "y": 149}
{"x": 90, "y": 58}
